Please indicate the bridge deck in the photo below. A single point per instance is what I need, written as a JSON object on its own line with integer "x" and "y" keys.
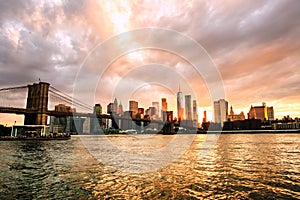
{"x": 63, "y": 114}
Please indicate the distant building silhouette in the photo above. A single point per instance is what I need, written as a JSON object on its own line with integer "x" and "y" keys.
{"x": 188, "y": 107}
{"x": 121, "y": 111}
{"x": 140, "y": 114}
{"x": 63, "y": 123}
{"x": 151, "y": 112}
{"x": 133, "y": 107}
{"x": 97, "y": 109}
{"x": 164, "y": 107}
{"x": 261, "y": 112}
{"x": 141, "y": 111}
{"x": 220, "y": 111}
{"x": 271, "y": 113}
{"x": 164, "y": 104}
{"x": 180, "y": 105}
{"x": 112, "y": 107}
{"x": 235, "y": 117}
{"x": 156, "y": 110}
{"x": 115, "y": 106}
{"x": 195, "y": 113}
{"x": 205, "y": 117}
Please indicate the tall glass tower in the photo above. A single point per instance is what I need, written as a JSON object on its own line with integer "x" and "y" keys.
{"x": 220, "y": 111}
{"x": 188, "y": 107}
{"x": 180, "y": 104}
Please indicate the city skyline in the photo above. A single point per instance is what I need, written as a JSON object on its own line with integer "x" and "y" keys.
{"x": 254, "y": 45}
{"x": 115, "y": 105}
{"x": 222, "y": 111}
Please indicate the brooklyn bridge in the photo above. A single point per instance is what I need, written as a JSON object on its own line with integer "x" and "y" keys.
{"x": 36, "y": 111}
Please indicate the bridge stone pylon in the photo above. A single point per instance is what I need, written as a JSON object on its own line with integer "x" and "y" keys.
{"x": 37, "y": 99}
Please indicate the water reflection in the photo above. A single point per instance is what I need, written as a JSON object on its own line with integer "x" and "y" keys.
{"x": 238, "y": 166}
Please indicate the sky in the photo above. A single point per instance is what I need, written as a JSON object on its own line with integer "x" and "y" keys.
{"x": 254, "y": 45}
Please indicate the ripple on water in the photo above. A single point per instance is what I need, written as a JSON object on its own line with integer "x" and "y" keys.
{"x": 237, "y": 167}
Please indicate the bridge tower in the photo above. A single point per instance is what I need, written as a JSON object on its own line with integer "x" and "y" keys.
{"x": 37, "y": 99}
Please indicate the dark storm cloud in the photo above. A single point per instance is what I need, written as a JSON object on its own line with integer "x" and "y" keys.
{"x": 35, "y": 42}
{"x": 246, "y": 39}
{"x": 249, "y": 23}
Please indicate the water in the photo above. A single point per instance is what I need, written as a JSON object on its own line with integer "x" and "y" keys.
{"x": 239, "y": 166}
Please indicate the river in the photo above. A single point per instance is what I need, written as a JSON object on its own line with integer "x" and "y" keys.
{"x": 237, "y": 166}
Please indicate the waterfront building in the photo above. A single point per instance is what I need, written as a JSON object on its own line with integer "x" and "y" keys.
{"x": 63, "y": 123}
{"x": 235, "y": 117}
{"x": 180, "y": 105}
{"x": 141, "y": 111}
{"x": 164, "y": 104}
{"x": 195, "y": 113}
{"x": 286, "y": 123}
{"x": 97, "y": 109}
{"x": 188, "y": 107}
{"x": 261, "y": 112}
{"x": 156, "y": 110}
{"x": 270, "y": 112}
{"x": 112, "y": 107}
{"x": 220, "y": 111}
{"x": 133, "y": 107}
{"x": 151, "y": 112}
{"x": 64, "y": 108}
{"x": 30, "y": 131}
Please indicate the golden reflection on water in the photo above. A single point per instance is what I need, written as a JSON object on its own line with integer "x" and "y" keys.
{"x": 238, "y": 166}
{"x": 138, "y": 143}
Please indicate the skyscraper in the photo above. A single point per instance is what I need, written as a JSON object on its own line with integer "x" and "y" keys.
{"x": 133, "y": 107}
{"x": 221, "y": 111}
{"x": 204, "y": 116}
{"x": 188, "y": 107}
{"x": 156, "y": 109}
{"x": 164, "y": 104}
{"x": 195, "y": 111}
{"x": 121, "y": 112}
{"x": 271, "y": 113}
{"x": 180, "y": 104}
{"x": 115, "y": 106}
{"x": 97, "y": 109}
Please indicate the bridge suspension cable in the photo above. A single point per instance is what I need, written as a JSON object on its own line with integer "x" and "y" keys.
{"x": 13, "y": 88}
{"x": 68, "y": 99}
{"x": 13, "y": 96}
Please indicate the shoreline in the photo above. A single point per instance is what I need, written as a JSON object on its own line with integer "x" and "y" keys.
{"x": 9, "y": 138}
{"x": 287, "y": 131}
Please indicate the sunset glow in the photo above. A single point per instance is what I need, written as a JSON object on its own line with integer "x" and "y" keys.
{"x": 254, "y": 45}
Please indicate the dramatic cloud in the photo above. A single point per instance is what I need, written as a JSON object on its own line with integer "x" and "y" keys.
{"x": 254, "y": 44}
